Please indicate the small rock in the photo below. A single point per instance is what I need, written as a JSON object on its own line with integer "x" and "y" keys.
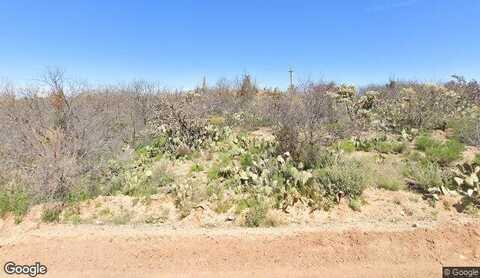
{"x": 230, "y": 218}
{"x": 99, "y": 222}
{"x": 414, "y": 225}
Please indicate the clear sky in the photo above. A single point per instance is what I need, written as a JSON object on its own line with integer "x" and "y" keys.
{"x": 176, "y": 42}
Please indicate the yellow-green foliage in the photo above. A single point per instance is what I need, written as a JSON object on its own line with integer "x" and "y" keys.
{"x": 256, "y": 211}
{"x": 216, "y": 120}
{"x": 246, "y": 160}
{"x": 347, "y": 146}
{"x": 15, "y": 201}
{"x": 355, "y": 204}
{"x": 196, "y": 168}
{"x": 390, "y": 147}
{"x": 425, "y": 141}
{"x": 440, "y": 152}
{"x": 425, "y": 173}
{"x": 222, "y": 168}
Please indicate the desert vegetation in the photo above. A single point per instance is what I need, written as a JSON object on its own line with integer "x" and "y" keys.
{"x": 234, "y": 148}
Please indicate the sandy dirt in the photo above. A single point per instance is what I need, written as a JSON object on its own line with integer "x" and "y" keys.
{"x": 149, "y": 251}
{"x": 396, "y": 234}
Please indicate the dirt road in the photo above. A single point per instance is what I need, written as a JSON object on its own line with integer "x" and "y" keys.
{"x": 123, "y": 251}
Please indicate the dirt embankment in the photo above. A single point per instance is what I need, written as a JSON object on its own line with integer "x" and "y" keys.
{"x": 146, "y": 251}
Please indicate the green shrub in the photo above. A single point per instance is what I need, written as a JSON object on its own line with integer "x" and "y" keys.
{"x": 355, "y": 204}
{"x": 426, "y": 174}
{"x": 365, "y": 145}
{"x": 214, "y": 172}
{"x": 343, "y": 177}
{"x": 154, "y": 149}
{"x": 446, "y": 153}
{"x": 390, "y": 147}
{"x": 246, "y": 160}
{"x": 256, "y": 213}
{"x": 346, "y": 145}
{"x": 4, "y": 203}
{"x": 313, "y": 156}
{"x": 51, "y": 214}
{"x": 196, "y": 168}
{"x": 425, "y": 141}
{"x": 80, "y": 195}
{"x": 19, "y": 205}
{"x": 440, "y": 152}
{"x": 243, "y": 204}
{"x": 16, "y": 202}
{"x": 221, "y": 169}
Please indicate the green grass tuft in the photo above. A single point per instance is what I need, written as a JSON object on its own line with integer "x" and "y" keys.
{"x": 196, "y": 168}
{"x": 15, "y": 202}
{"x": 440, "y": 152}
{"x": 390, "y": 147}
{"x": 246, "y": 160}
{"x": 346, "y": 145}
{"x": 355, "y": 204}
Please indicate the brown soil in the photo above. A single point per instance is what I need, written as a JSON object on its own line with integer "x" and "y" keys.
{"x": 148, "y": 251}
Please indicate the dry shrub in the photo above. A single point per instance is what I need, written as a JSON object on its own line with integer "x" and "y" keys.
{"x": 182, "y": 125}
{"x": 414, "y": 105}
{"x": 309, "y": 117}
{"x": 467, "y": 127}
{"x": 469, "y": 90}
{"x": 55, "y": 136}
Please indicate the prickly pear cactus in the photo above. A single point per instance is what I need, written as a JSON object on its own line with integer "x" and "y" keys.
{"x": 467, "y": 177}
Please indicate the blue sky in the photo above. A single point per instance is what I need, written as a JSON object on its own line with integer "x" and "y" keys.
{"x": 176, "y": 42}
